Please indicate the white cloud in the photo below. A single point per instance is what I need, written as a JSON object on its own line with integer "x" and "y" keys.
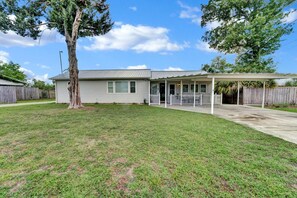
{"x": 4, "y": 57}
{"x": 291, "y": 17}
{"x": 194, "y": 14}
{"x": 133, "y": 8}
{"x": 189, "y": 12}
{"x": 43, "y": 66}
{"x": 31, "y": 75}
{"x": 137, "y": 67}
{"x": 203, "y": 46}
{"x": 173, "y": 69}
{"x": 10, "y": 38}
{"x": 137, "y": 38}
{"x": 26, "y": 63}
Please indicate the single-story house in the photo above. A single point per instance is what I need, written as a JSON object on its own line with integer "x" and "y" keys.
{"x": 153, "y": 87}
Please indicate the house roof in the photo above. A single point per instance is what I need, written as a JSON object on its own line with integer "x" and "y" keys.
{"x": 108, "y": 74}
{"x": 172, "y": 74}
{"x": 8, "y": 81}
{"x": 234, "y": 76}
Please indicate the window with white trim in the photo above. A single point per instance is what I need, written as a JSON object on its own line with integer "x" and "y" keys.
{"x": 132, "y": 87}
{"x": 110, "y": 87}
{"x": 185, "y": 88}
{"x": 203, "y": 88}
{"x": 121, "y": 87}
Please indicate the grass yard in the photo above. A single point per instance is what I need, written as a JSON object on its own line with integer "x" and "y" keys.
{"x": 37, "y": 100}
{"x": 122, "y": 150}
{"x": 288, "y": 108}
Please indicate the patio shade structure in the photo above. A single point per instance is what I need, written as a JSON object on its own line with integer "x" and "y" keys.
{"x": 236, "y": 77}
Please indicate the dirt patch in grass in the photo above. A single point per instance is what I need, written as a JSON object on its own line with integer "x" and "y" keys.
{"x": 17, "y": 186}
{"x": 124, "y": 178}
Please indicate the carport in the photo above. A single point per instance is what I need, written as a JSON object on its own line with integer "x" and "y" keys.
{"x": 216, "y": 77}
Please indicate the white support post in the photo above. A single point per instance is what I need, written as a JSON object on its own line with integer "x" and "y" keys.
{"x": 238, "y": 92}
{"x": 159, "y": 95}
{"x": 201, "y": 97}
{"x": 181, "y": 92}
{"x": 221, "y": 98}
{"x": 194, "y": 104}
{"x": 170, "y": 99}
{"x": 165, "y": 93}
{"x": 263, "y": 99}
{"x": 212, "y": 95}
{"x": 149, "y": 90}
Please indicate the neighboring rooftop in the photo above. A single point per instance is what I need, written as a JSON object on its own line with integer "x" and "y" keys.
{"x": 8, "y": 81}
{"x": 126, "y": 74}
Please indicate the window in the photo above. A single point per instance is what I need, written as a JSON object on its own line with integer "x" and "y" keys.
{"x": 110, "y": 87}
{"x": 185, "y": 88}
{"x": 132, "y": 87}
{"x": 154, "y": 89}
{"x": 203, "y": 88}
{"x": 192, "y": 88}
{"x": 172, "y": 89}
{"x": 121, "y": 87}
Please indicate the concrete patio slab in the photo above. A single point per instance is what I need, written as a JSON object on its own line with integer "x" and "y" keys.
{"x": 280, "y": 124}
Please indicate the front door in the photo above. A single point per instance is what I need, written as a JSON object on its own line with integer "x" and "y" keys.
{"x": 162, "y": 92}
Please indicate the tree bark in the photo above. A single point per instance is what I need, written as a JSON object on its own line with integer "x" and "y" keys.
{"x": 74, "y": 91}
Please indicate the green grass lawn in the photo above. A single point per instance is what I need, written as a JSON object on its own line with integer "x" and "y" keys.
{"x": 122, "y": 150}
{"x": 289, "y": 109}
{"x": 37, "y": 100}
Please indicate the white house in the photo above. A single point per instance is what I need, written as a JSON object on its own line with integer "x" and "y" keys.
{"x": 153, "y": 87}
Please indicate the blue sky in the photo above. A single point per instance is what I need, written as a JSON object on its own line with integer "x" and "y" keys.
{"x": 160, "y": 35}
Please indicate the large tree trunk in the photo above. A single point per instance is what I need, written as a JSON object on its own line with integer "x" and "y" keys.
{"x": 73, "y": 87}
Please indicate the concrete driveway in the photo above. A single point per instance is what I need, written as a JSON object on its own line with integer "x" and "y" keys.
{"x": 25, "y": 103}
{"x": 277, "y": 123}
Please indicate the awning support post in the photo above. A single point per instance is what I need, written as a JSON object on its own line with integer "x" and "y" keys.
{"x": 263, "y": 99}
{"x": 181, "y": 92}
{"x": 194, "y": 104}
{"x": 212, "y": 95}
{"x": 238, "y": 92}
{"x": 149, "y": 90}
{"x": 165, "y": 93}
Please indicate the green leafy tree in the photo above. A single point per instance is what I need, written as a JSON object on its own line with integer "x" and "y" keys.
{"x": 12, "y": 70}
{"x": 72, "y": 19}
{"x": 292, "y": 83}
{"x": 42, "y": 85}
{"x": 218, "y": 65}
{"x": 252, "y": 29}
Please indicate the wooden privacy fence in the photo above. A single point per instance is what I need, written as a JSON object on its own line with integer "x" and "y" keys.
{"x": 27, "y": 93}
{"x": 279, "y": 95}
{"x": 11, "y": 94}
{"x": 8, "y": 94}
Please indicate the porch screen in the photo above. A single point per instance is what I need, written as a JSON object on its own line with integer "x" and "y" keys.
{"x": 154, "y": 89}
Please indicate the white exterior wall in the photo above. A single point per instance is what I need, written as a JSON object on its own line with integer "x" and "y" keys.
{"x": 96, "y": 92}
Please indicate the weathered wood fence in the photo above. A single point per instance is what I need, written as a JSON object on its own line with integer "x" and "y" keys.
{"x": 279, "y": 95}
{"x": 27, "y": 93}
{"x": 11, "y": 94}
{"x": 8, "y": 94}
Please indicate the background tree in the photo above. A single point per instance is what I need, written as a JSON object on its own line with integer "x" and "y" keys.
{"x": 12, "y": 70}
{"x": 252, "y": 29}
{"x": 72, "y": 18}
{"x": 292, "y": 83}
{"x": 42, "y": 85}
{"x": 220, "y": 65}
